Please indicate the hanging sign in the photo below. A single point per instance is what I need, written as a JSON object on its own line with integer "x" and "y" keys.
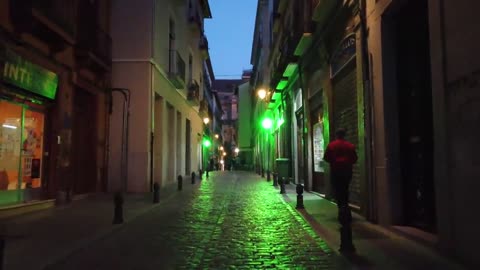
{"x": 19, "y": 72}
{"x": 345, "y": 53}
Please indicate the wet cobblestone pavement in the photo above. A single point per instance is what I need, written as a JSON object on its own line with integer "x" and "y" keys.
{"x": 233, "y": 220}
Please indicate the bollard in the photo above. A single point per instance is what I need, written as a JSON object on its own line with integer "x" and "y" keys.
{"x": 282, "y": 185}
{"x": 118, "y": 211}
{"x": 263, "y": 173}
{"x": 180, "y": 182}
{"x": 193, "y": 178}
{"x": 207, "y": 173}
{"x": 200, "y": 173}
{"x": 2, "y": 252}
{"x": 268, "y": 175}
{"x": 156, "y": 192}
{"x": 300, "y": 196}
{"x": 275, "y": 179}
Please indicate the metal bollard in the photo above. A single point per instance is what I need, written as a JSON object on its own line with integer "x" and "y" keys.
{"x": 118, "y": 211}
{"x": 156, "y": 192}
{"x": 2, "y": 253}
{"x": 275, "y": 179}
{"x": 180, "y": 182}
{"x": 282, "y": 185}
{"x": 193, "y": 178}
{"x": 200, "y": 173}
{"x": 300, "y": 197}
{"x": 268, "y": 175}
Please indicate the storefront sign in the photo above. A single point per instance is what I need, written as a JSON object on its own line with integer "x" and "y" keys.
{"x": 26, "y": 75}
{"x": 343, "y": 55}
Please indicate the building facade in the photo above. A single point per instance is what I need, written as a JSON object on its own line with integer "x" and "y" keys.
{"x": 163, "y": 68}
{"x": 55, "y": 58}
{"x": 399, "y": 76}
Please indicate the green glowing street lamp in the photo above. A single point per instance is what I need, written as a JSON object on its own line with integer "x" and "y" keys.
{"x": 267, "y": 123}
{"x": 207, "y": 143}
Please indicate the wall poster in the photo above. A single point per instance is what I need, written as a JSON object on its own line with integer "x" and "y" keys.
{"x": 318, "y": 150}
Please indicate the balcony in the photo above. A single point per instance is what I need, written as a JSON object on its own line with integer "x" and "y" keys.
{"x": 193, "y": 93}
{"x": 94, "y": 48}
{"x": 322, "y": 9}
{"x": 176, "y": 71}
{"x": 53, "y": 21}
{"x": 195, "y": 22}
{"x": 203, "y": 46}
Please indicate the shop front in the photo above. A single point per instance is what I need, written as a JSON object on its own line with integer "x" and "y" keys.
{"x": 25, "y": 91}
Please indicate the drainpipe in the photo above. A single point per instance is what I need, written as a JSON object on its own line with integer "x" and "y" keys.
{"x": 125, "y": 128}
{"x": 369, "y": 105}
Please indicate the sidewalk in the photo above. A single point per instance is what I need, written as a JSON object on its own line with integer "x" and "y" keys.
{"x": 38, "y": 239}
{"x": 377, "y": 247}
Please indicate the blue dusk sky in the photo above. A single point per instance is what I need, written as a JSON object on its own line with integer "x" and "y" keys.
{"x": 230, "y": 34}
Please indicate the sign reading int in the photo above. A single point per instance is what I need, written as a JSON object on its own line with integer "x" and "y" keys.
{"x": 26, "y": 75}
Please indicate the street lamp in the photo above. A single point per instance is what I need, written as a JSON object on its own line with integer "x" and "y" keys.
{"x": 221, "y": 148}
{"x": 206, "y": 120}
{"x": 216, "y": 136}
{"x": 237, "y": 150}
{"x": 262, "y": 93}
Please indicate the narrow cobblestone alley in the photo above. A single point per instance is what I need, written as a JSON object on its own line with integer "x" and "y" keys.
{"x": 232, "y": 220}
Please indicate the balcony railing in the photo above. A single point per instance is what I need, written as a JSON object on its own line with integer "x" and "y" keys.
{"x": 176, "y": 70}
{"x": 194, "y": 20}
{"x": 193, "y": 93}
{"x": 93, "y": 41}
{"x": 59, "y": 12}
{"x": 203, "y": 46}
{"x": 44, "y": 18}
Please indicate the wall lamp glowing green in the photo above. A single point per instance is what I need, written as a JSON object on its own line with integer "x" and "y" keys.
{"x": 267, "y": 123}
{"x": 207, "y": 143}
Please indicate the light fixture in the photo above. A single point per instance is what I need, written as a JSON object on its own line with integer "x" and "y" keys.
{"x": 262, "y": 93}
{"x": 9, "y": 126}
{"x": 221, "y": 161}
{"x": 216, "y": 136}
{"x": 221, "y": 148}
{"x": 224, "y": 153}
{"x": 206, "y": 120}
{"x": 237, "y": 150}
{"x": 267, "y": 123}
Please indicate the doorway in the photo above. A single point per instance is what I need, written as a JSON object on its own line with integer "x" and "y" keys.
{"x": 171, "y": 143}
{"x": 300, "y": 144}
{"x": 415, "y": 115}
{"x": 188, "y": 149}
{"x": 157, "y": 141}
{"x": 84, "y": 143}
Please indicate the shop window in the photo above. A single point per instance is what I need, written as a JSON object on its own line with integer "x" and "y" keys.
{"x": 21, "y": 148}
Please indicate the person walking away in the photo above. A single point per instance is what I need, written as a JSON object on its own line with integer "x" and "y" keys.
{"x": 341, "y": 156}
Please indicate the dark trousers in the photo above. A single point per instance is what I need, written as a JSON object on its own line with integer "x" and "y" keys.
{"x": 340, "y": 182}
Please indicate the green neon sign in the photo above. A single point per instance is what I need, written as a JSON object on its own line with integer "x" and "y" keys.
{"x": 19, "y": 72}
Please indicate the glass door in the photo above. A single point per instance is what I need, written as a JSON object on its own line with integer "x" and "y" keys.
{"x": 21, "y": 148}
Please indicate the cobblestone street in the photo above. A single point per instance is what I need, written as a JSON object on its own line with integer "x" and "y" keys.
{"x": 232, "y": 220}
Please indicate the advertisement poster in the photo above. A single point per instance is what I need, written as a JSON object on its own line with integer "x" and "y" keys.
{"x": 318, "y": 148}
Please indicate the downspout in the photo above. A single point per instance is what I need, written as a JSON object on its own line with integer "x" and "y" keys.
{"x": 125, "y": 131}
{"x": 369, "y": 105}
